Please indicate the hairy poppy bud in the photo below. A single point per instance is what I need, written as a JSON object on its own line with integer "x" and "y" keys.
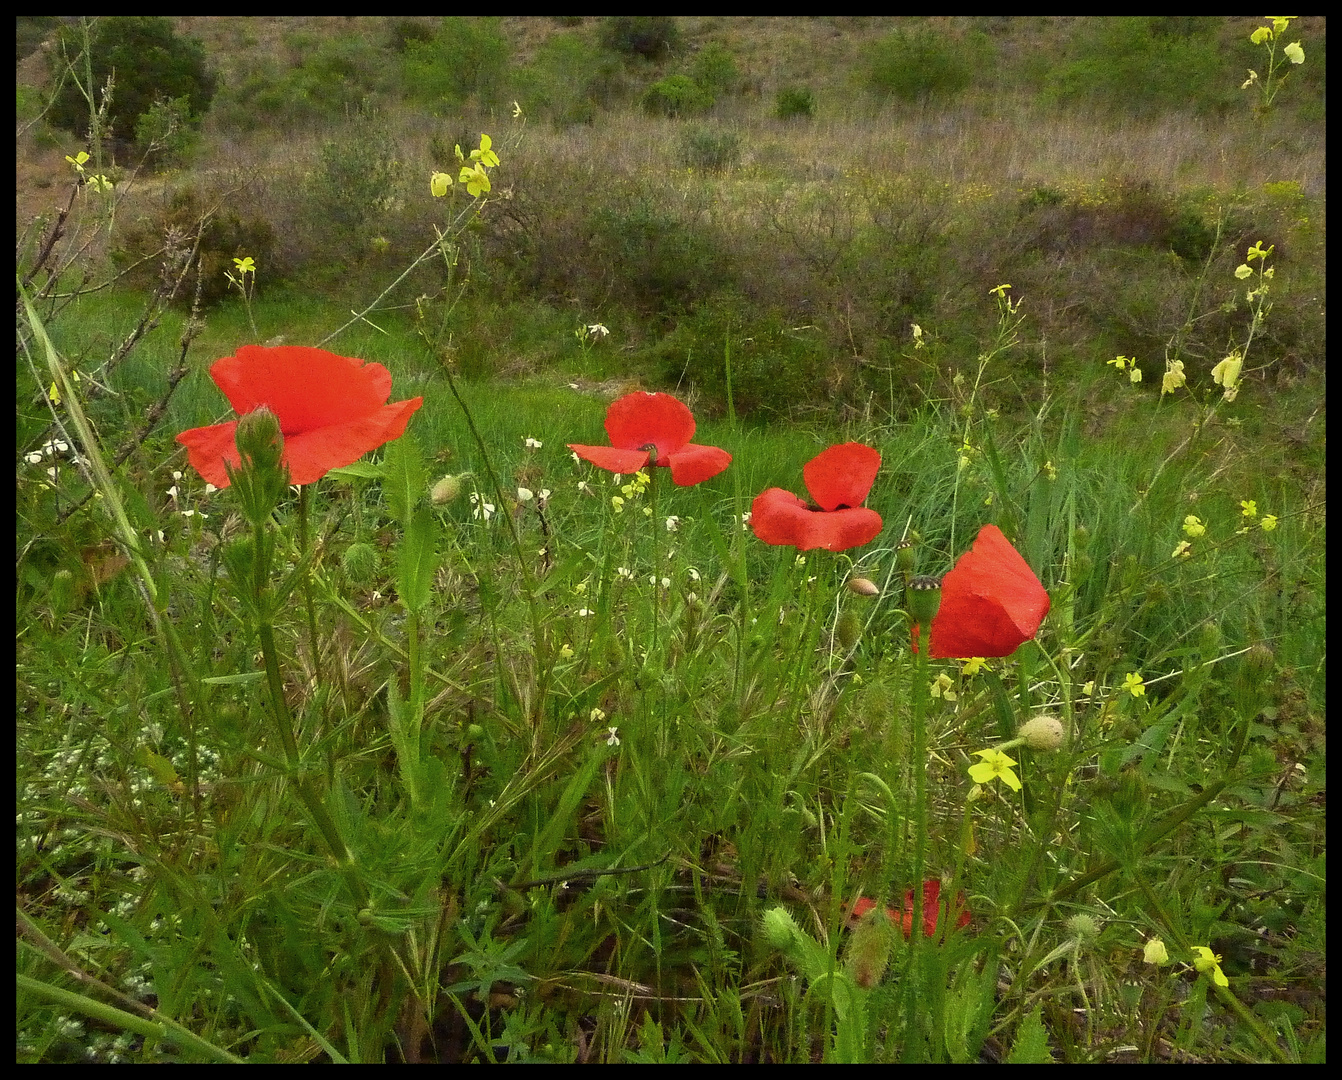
{"x": 869, "y": 948}
{"x": 861, "y": 586}
{"x": 259, "y": 439}
{"x": 781, "y": 930}
{"x": 1043, "y": 733}
{"x": 359, "y": 563}
{"x": 847, "y": 630}
{"x": 447, "y": 489}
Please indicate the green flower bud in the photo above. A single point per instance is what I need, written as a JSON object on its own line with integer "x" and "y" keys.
{"x": 259, "y": 439}
{"x": 781, "y": 930}
{"x": 1043, "y": 733}
{"x": 847, "y": 630}
{"x": 62, "y": 593}
{"x": 447, "y": 489}
{"x": 860, "y": 586}
{"x": 1209, "y": 638}
{"x": 869, "y": 948}
{"x": 923, "y": 597}
{"x": 359, "y": 563}
{"x": 1085, "y": 928}
{"x": 1081, "y": 537}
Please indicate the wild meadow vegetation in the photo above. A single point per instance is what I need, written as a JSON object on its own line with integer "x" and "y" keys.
{"x": 667, "y": 540}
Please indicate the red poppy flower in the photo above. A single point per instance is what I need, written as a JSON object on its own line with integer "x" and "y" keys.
{"x": 991, "y": 601}
{"x": 931, "y": 896}
{"x": 654, "y": 429}
{"x": 332, "y": 410}
{"x": 838, "y": 480}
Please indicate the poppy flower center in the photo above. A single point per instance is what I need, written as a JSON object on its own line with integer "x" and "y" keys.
{"x": 821, "y": 510}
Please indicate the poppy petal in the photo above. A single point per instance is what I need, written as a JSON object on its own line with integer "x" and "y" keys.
{"x": 842, "y": 475}
{"x": 991, "y": 602}
{"x": 639, "y": 419}
{"x": 207, "y": 448}
{"x": 779, "y": 517}
{"x": 611, "y": 459}
{"x": 694, "y": 464}
{"x": 311, "y": 454}
{"x": 306, "y": 388}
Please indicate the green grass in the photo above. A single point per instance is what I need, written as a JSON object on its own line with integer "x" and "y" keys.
{"x": 515, "y": 801}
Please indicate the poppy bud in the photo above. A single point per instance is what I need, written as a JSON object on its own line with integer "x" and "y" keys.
{"x": 923, "y": 597}
{"x": 1081, "y": 537}
{"x": 781, "y": 930}
{"x": 259, "y": 439}
{"x": 1085, "y": 928}
{"x": 359, "y": 563}
{"x": 869, "y": 948}
{"x": 1043, "y": 733}
{"x": 62, "y": 592}
{"x": 847, "y": 630}
{"x": 447, "y": 489}
{"x": 861, "y": 586}
{"x": 1209, "y": 635}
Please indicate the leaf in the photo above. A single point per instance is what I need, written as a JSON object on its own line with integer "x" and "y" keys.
{"x": 1031, "y": 1045}
{"x": 416, "y": 562}
{"x": 360, "y": 470}
{"x": 403, "y": 482}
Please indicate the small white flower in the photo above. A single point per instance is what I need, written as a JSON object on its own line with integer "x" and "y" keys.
{"x": 585, "y": 487}
{"x": 573, "y": 386}
{"x": 33, "y": 458}
{"x": 210, "y": 489}
{"x": 672, "y": 523}
{"x": 597, "y": 330}
{"x": 612, "y": 739}
{"x": 532, "y": 444}
{"x": 51, "y": 472}
{"x": 694, "y": 574}
{"x": 525, "y": 494}
{"x": 584, "y": 612}
{"x": 176, "y": 475}
{"x": 481, "y": 507}
{"x": 624, "y": 572}
{"x": 801, "y": 560}
{"x": 745, "y": 520}
{"x": 172, "y": 493}
{"x": 576, "y": 459}
{"x": 666, "y": 581}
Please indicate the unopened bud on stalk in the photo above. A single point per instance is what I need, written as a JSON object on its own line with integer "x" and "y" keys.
{"x": 869, "y": 948}
{"x": 62, "y": 592}
{"x": 847, "y": 630}
{"x": 861, "y": 586}
{"x": 359, "y": 563}
{"x": 259, "y": 439}
{"x": 447, "y": 489}
{"x": 1043, "y": 733}
{"x": 781, "y": 930}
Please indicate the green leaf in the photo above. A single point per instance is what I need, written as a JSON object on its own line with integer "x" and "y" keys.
{"x": 1031, "y": 1045}
{"x": 403, "y": 482}
{"x": 416, "y": 562}
{"x": 360, "y": 470}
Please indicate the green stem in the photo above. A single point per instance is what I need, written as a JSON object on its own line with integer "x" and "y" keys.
{"x": 313, "y": 645}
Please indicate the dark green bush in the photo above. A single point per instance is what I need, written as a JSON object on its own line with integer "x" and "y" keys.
{"x": 714, "y": 68}
{"x": 165, "y": 133}
{"x": 677, "y": 95}
{"x": 359, "y": 179}
{"x": 404, "y": 31}
{"x": 468, "y": 57}
{"x": 1134, "y": 65}
{"x": 917, "y": 64}
{"x": 710, "y": 149}
{"x": 664, "y": 264}
{"x": 653, "y": 37}
{"x": 569, "y": 79}
{"x": 152, "y": 63}
{"x": 794, "y": 101}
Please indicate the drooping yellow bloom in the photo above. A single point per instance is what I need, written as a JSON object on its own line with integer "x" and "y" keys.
{"x": 1182, "y": 551}
{"x": 1294, "y": 53}
{"x": 1155, "y": 952}
{"x": 1174, "y": 377}
{"x": 439, "y": 183}
{"x": 1193, "y": 525}
{"x": 1269, "y": 522}
{"x": 1209, "y": 963}
{"x": 1226, "y": 373}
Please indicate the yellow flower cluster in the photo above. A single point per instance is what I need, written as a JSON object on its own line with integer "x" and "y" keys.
{"x": 473, "y": 173}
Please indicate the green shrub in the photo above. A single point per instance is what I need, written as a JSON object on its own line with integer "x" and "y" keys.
{"x": 663, "y": 263}
{"x": 468, "y": 57}
{"x": 403, "y": 32}
{"x": 358, "y": 181}
{"x": 676, "y": 95}
{"x": 1135, "y": 65}
{"x": 227, "y": 234}
{"x": 710, "y": 149}
{"x": 653, "y": 37}
{"x": 714, "y": 68}
{"x": 165, "y": 133}
{"x": 152, "y": 63}
{"x": 794, "y": 101}
{"x": 917, "y": 64}
{"x": 568, "y": 79}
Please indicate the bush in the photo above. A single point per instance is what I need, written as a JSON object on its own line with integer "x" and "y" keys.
{"x": 359, "y": 180}
{"x": 466, "y": 58}
{"x": 1135, "y": 65}
{"x": 166, "y": 134}
{"x": 569, "y": 79}
{"x": 710, "y": 150}
{"x": 794, "y": 101}
{"x": 677, "y": 95}
{"x": 914, "y": 65}
{"x": 653, "y": 37}
{"x": 151, "y": 63}
{"x": 662, "y": 263}
{"x": 714, "y": 69}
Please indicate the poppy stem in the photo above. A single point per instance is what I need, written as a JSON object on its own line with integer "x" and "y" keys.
{"x": 307, "y": 583}
{"x": 919, "y": 760}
